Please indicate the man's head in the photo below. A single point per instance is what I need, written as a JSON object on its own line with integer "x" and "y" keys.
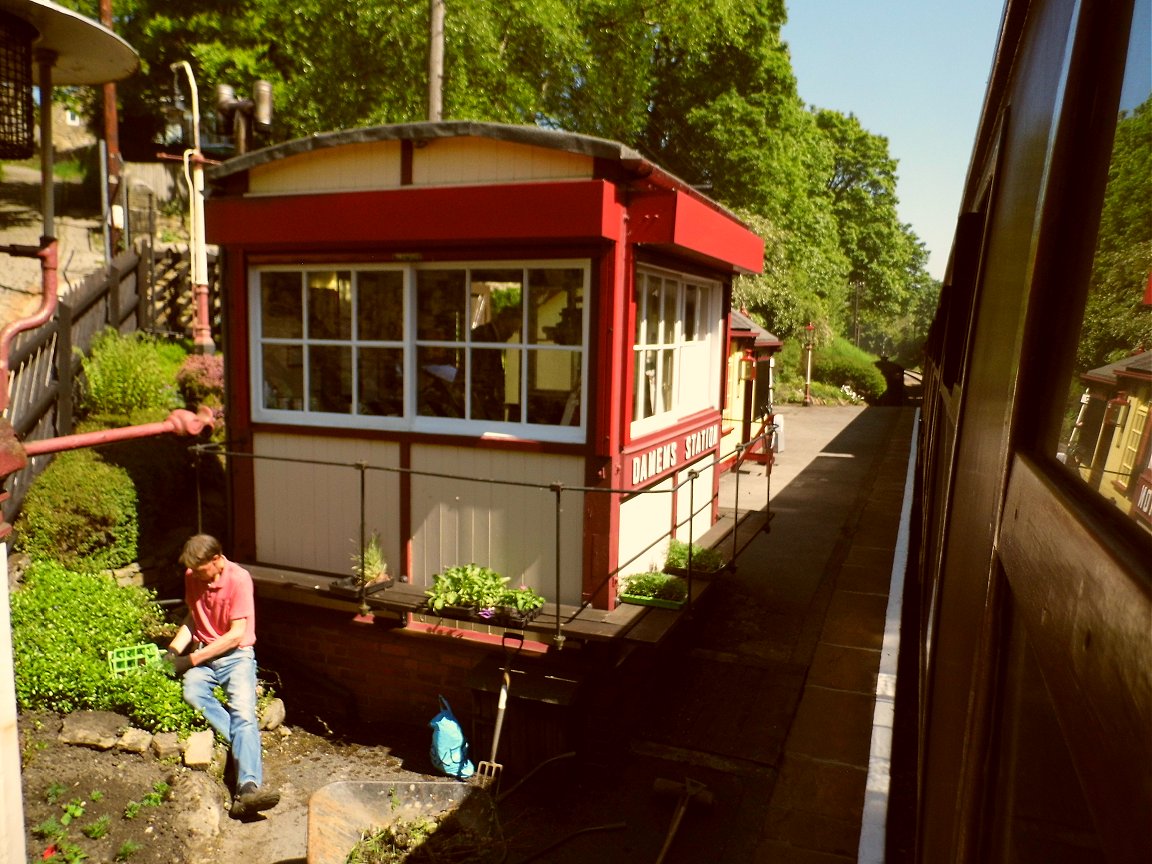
{"x": 203, "y": 556}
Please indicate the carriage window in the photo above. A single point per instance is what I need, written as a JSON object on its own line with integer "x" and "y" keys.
{"x": 1106, "y": 440}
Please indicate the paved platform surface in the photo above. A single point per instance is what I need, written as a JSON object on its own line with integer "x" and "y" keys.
{"x": 765, "y": 693}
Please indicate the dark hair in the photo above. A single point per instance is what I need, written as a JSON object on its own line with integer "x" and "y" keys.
{"x": 199, "y": 550}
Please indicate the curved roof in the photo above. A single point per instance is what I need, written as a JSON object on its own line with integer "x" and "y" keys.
{"x": 584, "y": 145}
{"x": 86, "y": 51}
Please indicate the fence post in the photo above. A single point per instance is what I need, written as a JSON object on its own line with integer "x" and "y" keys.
{"x": 113, "y": 295}
{"x": 558, "y": 489}
{"x": 736, "y": 506}
{"x": 144, "y": 287}
{"x": 64, "y": 377}
{"x": 692, "y": 475}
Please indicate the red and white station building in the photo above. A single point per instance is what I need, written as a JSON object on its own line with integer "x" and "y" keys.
{"x": 479, "y": 301}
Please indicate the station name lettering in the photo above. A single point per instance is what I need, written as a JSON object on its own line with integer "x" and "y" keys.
{"x": 665, "y": 457}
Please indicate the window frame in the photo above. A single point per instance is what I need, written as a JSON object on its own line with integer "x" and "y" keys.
{"x": 707, "y": 335}
{"x": 410, "y": 421}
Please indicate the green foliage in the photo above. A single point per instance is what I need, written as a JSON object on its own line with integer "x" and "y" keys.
{"x": 842, "y": 364}
{"x": 127, "y": 849}
{"x": 63, "y": 626}
{"x": 471, "y": 586}
{"x": 200, "y": 380}
{"x": 657, "y": 585}
{"x": 373, "y": 566}
{"x": 703, "y": 560}
{"x": 126, "y": 373}
{"x": 81, "y": 512}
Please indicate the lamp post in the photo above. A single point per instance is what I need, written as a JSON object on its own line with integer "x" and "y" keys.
{"x": 808, "y": 374}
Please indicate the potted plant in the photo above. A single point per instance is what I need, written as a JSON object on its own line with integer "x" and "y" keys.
{"x": 473, "y": 592}
{"x": 704, "y": 561}
{"x": 370, "y": 573}
{"x": 655, "y": 588}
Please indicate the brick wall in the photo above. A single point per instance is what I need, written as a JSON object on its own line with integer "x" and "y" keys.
{"x": 368, "y": 673}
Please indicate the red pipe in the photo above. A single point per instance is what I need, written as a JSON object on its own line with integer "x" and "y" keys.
{"x": 179, "y": 422}
{"x": 47, "y": 253}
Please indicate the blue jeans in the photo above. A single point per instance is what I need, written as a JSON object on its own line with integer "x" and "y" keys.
{"x": 236, "y": 723}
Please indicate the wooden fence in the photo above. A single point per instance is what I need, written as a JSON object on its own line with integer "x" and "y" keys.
{"x": 140, "y": 290}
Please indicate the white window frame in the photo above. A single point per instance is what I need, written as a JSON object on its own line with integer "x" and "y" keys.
{"x": 705, "y": 347}
{"x": 411, "y": 421}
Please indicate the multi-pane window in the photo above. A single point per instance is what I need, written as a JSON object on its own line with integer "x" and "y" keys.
{"x": 450, "y": 348}
{"x": 677, "y": 325}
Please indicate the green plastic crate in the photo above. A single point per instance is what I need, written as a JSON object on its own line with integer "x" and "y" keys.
{"x": 123, "y": 660}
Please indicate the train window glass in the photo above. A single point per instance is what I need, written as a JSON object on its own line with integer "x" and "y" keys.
{"x": 1106, "y": 440}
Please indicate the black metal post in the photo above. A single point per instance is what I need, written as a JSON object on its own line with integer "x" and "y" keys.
{"x": 558, "y": 489}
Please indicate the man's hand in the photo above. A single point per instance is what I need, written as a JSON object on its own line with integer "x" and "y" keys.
{"x": 178, "y": 663}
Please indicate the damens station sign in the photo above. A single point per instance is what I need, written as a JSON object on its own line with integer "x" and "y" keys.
{"x": 654, "y": 462}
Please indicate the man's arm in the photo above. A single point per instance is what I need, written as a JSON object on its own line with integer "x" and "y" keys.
{"x": 183, "y": 636}
{"x": 223, "y": 645}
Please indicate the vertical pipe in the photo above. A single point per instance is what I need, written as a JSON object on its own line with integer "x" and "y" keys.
{"x": 46, "y": 60}
{"x": 692, "y": 475}
{"x": 436, "y": 62}
{"x": 558, "y": 489}
{"x": 104, "y": 203}
{"x": 736, "y": 507}
{"x": 362, "y": 467}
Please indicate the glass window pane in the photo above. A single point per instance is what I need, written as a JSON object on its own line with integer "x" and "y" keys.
{"x": 495, "y": 384}
{"x": 497, "y": 305}
{"x": 556, "y": 306}
{"x": 440, "y": 305}
{"x": 330, "y": 305}
{"x": 554, "y": 388}
{"x": 283, "y": 377}
{"x": 667, "y": 378}
{"x": 439, "y": 382}
{"x": 281, "y": 306}
{"x": 691, "y": 311}
{"x": 380, "y": 306}
{"x": 330, "y": 379}
{"x": 1104, "y": 441}
{"x": 669, "y": 312}
{"x": 654, "y": 306}
{"x": 380, "y": 375}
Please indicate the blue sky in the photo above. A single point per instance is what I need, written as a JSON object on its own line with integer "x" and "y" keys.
{"x": 913, "y": 71}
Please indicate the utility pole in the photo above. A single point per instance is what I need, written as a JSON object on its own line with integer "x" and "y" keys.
{"x": 112, "y": 142}
{"x": 436, "y": 63}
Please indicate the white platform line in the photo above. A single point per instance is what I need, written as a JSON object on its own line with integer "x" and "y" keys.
{"x": 875, "y": 817}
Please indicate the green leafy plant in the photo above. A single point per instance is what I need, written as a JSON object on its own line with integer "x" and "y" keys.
{"x": 127, "y": 849}
{"x": 374, "y": 567}
{"x": 481, "y": 589}
{"x": 125, "y": 373}
{"x": 657, "y": 586}
{"x": 703, "y": 560}
{"x": 98, "y": 828}
{"x": 81, "y": 512}
{"x": 64, "y": 624}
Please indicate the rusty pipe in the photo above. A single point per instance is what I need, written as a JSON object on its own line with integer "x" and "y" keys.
{"x": 179, "y": 422}
{"x": 48, "y": 253}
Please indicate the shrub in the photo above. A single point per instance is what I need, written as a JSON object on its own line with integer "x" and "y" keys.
{"x": 125, "y": 373}
{"x": 201, "y": 380}
{"x": 81, "y": 512}
{"x": 657, "y": 585}
{"x": 842, "y": 363}
{"x": 64, "y": 624}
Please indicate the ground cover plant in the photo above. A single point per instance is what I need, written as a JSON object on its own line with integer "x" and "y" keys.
{"x": 64, "y": 623}
{"x": 703, "y": 560}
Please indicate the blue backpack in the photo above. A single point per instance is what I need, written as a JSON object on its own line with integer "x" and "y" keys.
{"x": 449, "y": 749}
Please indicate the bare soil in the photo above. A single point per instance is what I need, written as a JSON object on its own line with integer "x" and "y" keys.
{"x": 191, "y": 825}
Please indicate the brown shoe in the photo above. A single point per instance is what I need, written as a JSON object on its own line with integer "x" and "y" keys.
{"x": 251, "y": 799}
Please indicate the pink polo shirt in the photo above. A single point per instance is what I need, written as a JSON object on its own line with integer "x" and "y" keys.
{"x": 214, "y": 607}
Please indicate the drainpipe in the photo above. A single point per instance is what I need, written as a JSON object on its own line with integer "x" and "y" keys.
{"x": 202, "y": 329}
{"x": 47, "y": 253}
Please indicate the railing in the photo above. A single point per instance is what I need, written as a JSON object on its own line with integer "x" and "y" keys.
{"x": 766, "y": 441}
{"x": 136, "y": 292}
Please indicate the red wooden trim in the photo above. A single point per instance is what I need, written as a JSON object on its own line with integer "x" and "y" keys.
{"x": 529, "y": 645}
{"x": 681, "y": 220}
{"x": 239, "y": 409}
{"x": 417, "y": 216}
